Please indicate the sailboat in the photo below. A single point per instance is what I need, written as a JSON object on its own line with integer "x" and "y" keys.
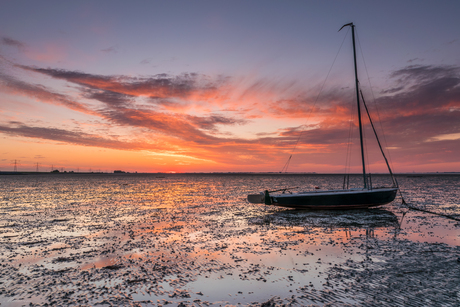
{"x": 357, "y": 198}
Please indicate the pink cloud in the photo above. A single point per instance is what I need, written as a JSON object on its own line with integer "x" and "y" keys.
{"x": 49, "y": 53}
{"x": 424, "y": 106}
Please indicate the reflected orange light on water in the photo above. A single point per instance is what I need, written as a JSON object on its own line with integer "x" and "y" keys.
{"x": 198, "y": 231}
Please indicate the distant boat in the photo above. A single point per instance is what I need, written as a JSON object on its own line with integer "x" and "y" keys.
{"x": 359, "y": 198}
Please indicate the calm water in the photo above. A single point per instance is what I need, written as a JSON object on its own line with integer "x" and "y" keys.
{"x": 151, "y": 239}
{"x": 433, "y": 192}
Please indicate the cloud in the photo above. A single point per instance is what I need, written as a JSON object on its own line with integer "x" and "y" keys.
{"x": 188, "y": 112}
{"x": 146, "y": 61}
{"x": 158, "y": 86}
{"x": 13, "y": 43}
{"x": 108, "y": 97}
{"x": 120, "y": 109}
{"x": 428, "y": 90}
{"x": 426, "y": 108}
{"x": 243, "y": 152}
{"x": 112, "y": 49}
{"x": 120, "y": 93}
{"x": 49, "y": 52}
{"x": 69, "y": 137}
{"x": 14, "y": 86}
{"x": 317, "y": 135}
{"x": 392, "y": 90}
{"x": 210, "y": 122}
{"x": 166, "y": 124}
{"x": 414, "y": 60}
{"x": 423, "y": 75}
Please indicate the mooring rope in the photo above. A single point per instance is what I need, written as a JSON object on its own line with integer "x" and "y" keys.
{"x": 426, "y": 211}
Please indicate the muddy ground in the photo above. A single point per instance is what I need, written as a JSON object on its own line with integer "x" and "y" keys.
{"x": 112, "y": 252}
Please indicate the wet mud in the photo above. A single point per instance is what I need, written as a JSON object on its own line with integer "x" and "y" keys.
{"x": 183, "y": 242}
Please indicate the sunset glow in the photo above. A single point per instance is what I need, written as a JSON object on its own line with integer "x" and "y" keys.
{"x": 225, "y": 87}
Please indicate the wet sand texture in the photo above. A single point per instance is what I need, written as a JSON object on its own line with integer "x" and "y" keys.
{"x": 195, "y": 241}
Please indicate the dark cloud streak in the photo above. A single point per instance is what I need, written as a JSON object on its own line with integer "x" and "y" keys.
{"x": 112, "y": 49}
{"x": 69, "y": 137}
{"x": 157, "y": 86}
{"x": 210, "y": 122}
{"x": 11, "y": 85}
{"x": 8, "y": 41}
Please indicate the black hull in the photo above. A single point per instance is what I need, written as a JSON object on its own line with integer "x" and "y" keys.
{"x": 336, "y": 200}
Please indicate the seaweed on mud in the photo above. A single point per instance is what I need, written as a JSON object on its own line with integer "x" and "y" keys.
{"x": 34, "y": 242}
{"x": 113, "y": 267}
{"x": 60, "y": 220}
{"x": 8, "y": 225}
{"x": 63, "y": 259}
{"x": 156, "y": 245}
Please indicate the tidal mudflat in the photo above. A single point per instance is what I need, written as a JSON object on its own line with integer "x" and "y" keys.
{"x": 194, "y": 240}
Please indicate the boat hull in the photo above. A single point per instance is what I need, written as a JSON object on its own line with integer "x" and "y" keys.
{"x": 336, "y": 200}
{"x": 256, "y": 198}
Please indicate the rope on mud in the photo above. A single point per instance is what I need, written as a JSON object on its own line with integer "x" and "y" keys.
{"x": 426, "y": 211}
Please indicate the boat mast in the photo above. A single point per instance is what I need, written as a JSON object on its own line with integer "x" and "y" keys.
{"x": 357, "y": 101}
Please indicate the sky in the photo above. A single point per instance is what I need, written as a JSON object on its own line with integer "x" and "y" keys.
{"x": 228, "y": 86}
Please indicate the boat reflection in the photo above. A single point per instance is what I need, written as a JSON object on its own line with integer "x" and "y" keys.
{"x": 365, "y": 218}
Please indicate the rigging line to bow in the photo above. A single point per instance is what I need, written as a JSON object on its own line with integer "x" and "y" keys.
{"x": 314, "y": 104}
{"x": 285, "y": 167}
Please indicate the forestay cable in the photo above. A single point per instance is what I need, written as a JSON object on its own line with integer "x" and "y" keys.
{"x": 284, "y": 169}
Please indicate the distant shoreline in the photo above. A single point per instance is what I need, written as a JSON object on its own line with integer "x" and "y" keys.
{"x": 227, "y": 173}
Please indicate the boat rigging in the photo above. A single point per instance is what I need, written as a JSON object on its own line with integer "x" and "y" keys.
{"x": 364, "y": 197}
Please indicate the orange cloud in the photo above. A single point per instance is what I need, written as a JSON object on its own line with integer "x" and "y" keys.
{"x": 181, "y": 119}
{"x": 14, "y": 86}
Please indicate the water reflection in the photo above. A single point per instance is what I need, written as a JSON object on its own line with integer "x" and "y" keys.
{"x": 195, "y": 238}
{"x": 366, "y": 218}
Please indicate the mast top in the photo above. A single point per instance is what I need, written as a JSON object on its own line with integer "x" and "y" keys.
{"x": 348, "y": 24}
